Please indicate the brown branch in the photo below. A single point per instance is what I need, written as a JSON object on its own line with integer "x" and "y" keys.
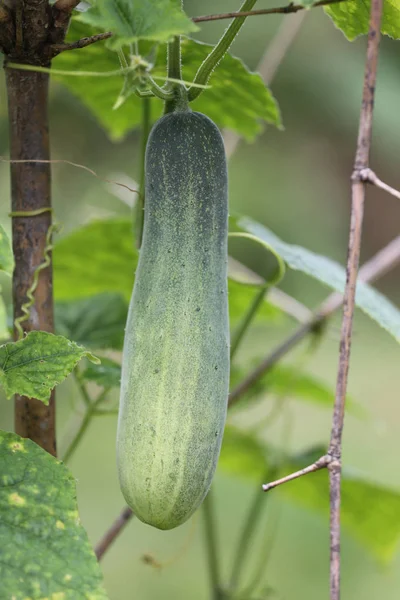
{"x": 61, "y": 15}
{"x": 357, "y": 211}
{"x": 385, "y": 260}
{"x": 82, "y": 43}
{"x": 114, "y": 531}
{"x": 30, "y": 190}
{"x": 66, "y": 6}
{"x": 368, "y": 176}
{"x": 321, "y": 463}
{"x": 280, "y": 10}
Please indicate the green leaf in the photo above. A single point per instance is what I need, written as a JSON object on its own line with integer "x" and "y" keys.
{"x": 237, "y": 98}
{"x": 45, "y": 552}
{"x": 332, "y": 274}
{"x": 6, "y": 255}
{"x": 107, "y": 374}
{"x": 243, "y": 455}
{"x": 369, "y": 512}
{"x": 34, "y": 365}
{"x": 285, "y": 380}
{"x": 156, "y": 20}
{"x": 99, "y": 257}
{"x": 95, "y": 322}
{"x": 100, "y": 93}
{"x": 241, "y": 296}
{"x": 352, "y": 17}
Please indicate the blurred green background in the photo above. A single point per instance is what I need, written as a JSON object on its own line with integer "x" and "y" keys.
{"x": 297, "y": 183}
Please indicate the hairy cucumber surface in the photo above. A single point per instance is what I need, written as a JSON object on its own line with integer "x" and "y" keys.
{"x": 175, "y": 371}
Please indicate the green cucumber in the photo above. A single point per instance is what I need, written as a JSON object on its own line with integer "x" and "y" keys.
{"x": 175, "y": 370}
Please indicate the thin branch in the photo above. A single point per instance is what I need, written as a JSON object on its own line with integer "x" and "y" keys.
{"x": 283, "y": 10}
{"x": 321, "y": 463}
{"x": 368, "y": 176}
{"x": 384, "y": 261}
{"x": 114, "y": 531}
{"x": 82, "y": 43}
{"x": 357, "y": 211}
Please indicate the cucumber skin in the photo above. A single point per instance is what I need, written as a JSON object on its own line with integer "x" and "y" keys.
{"x": 175, "y": 370}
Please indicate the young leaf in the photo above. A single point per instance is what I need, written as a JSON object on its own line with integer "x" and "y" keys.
{"x": 237, "y": 98}
{"x": 352, "y": 17}
{"x": 332, "y": 274}
{"x": 6, "y": 255}
{"x": 107, "y": 374}
{"x": 95, "y": 322}
{"x": 45, "y": 552}
{"x": 99, "y": 257}
{"x": 156, "y": 20}
{"x": 34, "y": 365}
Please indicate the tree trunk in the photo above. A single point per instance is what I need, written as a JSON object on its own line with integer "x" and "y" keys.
{"x": 31, "y": 190}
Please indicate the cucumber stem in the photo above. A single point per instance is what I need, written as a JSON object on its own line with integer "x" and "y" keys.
{"x": 139, "y": 208}
{"x": 179, "y": 100}
{"x": 219, "y": 51}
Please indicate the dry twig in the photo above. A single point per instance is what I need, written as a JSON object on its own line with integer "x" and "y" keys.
{"x": 114, "y": 531}
{"x": 280, "y": 10}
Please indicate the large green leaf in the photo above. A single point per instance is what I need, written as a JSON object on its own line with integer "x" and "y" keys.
{"x": 369, "y": 512}
{"x": 243, "y": 455}
{"x": 34, "y": 365}
{"x": 237, "y": 98}
{"x": 99, "y": 257}
{"x": 332, "y": 274}
{"x": 95, "y": 322}
{"x": 156, "y": 20}
{"x": 285, "y": 381}
{"x": 6, "y": 255}
{"x": 241, "y": 296}
{"x": 107, "y": 374}
{"x": 44, "y": 550}
{"x": 352, "y": 17}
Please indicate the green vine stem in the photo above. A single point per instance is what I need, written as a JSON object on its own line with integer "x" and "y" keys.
{"x": 259, "y": 297}
{"x": 219, "y": 51}
{"x": 248, "y": 319}
{"x": 91, "y": 411}
{"x": 179, "y": 100}
{"x": 212, "y": 546}
{"x": 139, "y": 208}
{"x": 255, "y": 511}
{"x": 25, "y": 308}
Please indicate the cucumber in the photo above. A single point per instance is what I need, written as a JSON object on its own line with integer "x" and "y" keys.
{"x": 175, "y": 370}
